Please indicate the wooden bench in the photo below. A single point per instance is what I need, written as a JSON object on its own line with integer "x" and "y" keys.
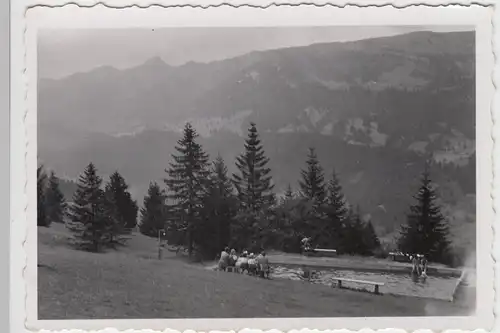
{"x": 375, "y": 284}
{"x": 322, "y": 252}
{"x": 399, "y": 257}
{"x": 231, "y": 269}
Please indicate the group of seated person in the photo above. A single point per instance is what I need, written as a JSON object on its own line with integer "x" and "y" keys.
{"x": 249, "y": 263}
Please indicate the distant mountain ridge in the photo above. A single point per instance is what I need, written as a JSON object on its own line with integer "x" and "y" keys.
{"x": 374, "y": 109}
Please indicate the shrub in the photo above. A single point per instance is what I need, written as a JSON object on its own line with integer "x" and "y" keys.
{"x": 381, "y": 253}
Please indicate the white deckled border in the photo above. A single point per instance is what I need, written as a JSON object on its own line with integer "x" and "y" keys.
{"x": 23, "y": 138}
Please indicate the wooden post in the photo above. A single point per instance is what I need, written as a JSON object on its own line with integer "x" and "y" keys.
{"x": 160, "y": 253}
{"x": 161, "y": 233}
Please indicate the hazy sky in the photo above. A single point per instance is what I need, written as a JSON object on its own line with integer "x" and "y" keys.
{"x": 64, "y": 52}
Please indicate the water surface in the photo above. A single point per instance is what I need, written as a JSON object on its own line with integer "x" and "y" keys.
{"x": 397, "y": 284}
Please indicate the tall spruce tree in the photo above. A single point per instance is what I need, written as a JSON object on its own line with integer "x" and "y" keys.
{"x": 127, "y": 208}
{"x": 89, "y": 212}
{"x": 153, "y": 212}
{"x": 359, "y": 236}
{"x": 312, "y": 185}
{"x": 220, "y": 207}
{"x": 55, "y": 202}
{"x": 353, "y": 235}
{"x": 187, "y": 184}
{"x": 288, "y": 195}
{"x": 371, "y": 240}
{"x": 253, "y": 181}
{"x": 335, "y": 213}
{"x": 41, "y": 184}
{"x": 121, "y": 209}
{"x": 426, "y": 230}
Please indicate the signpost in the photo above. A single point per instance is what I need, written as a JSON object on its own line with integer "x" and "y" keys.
{"x": 161, "y": 242}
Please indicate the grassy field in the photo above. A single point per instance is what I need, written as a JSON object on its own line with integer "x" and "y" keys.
{"x": 132, "y": 283}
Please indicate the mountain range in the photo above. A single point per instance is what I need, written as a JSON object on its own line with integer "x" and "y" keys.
{"x": 374, "y": 109}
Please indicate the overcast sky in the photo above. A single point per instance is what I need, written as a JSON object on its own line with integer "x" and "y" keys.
{"x": 64, "y": 52}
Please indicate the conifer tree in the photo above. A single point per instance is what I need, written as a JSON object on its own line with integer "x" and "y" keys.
{"x": 288, "y": 195}
{"x": 153, "y": 212}
{"x": 220, "y": 179}
{"x": 335, "y": 200}
{"x": 116, "y": 233}
{"x": 41, "y": 183}
{"x": 55, "y": 202}
{"x": 426, "y": 231}
{"x": 335, "y": 213}
{"x": 126, "y": 208}
{"x": 220, "y": 206}
{"x": 88, "y": 213}
{"x": 371, "y": 240}
{"x": 353, "y": 233}
{"x": 359, "y": 237}
{"x": 312, "y": 185}
{"x": 253, "y": 181}
{"x": 187, "y": 184}
{"x": 121, "y": 210}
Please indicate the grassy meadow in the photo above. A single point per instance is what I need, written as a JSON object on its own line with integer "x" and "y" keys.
{"x": 133, "y": 283}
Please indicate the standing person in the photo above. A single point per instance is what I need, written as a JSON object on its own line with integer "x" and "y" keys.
{"x": 306, "y": 244}
{"x": 414, "y": 268}
{"x": 224, "y": 259}
{"x": 423, "y": 262}
{"x": 263, "y": 263}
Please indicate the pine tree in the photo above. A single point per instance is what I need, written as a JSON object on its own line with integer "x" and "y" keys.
{"x": 371, "y": 240}
{"x": 359, "y": 237}
{"x": 88, "y": 213}
{"x": 126, "y": 207}
{"x": 253, "y": 182}
{"x": 335, "y": 200}
{"x": 41, "y": 183}
{"x": 120, "y": 209}
{"x": 219, "y": 210}
{"x": 55, "y": 202}
{"x": 220, "y": 178}
{"x": 312, "y": 185}
{"x": 335, "y": 213}
{"x": 293, "y": 219}
{"x": 426, "y": 231}
{"x": 153, "y": 212}
{"x": 288, "y": 195}
{"x": 187, "y": 184}
{"x": 115, "y": 229}
{"x": 353, "y": 234}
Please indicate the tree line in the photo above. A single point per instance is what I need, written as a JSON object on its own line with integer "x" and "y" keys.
{"x": 98, "y": 216}
{"x": 204, "y": 208}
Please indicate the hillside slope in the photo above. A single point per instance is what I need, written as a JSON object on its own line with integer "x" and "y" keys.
{"x": 374, "y": 110}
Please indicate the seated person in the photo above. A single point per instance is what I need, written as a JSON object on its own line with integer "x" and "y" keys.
{"x": 232, "y": 258}
{"x": 242, "y": 263}
{"x": 252, "y": 264}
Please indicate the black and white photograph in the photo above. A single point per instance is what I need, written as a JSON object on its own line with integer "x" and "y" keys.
{"x": 311, "y": 171}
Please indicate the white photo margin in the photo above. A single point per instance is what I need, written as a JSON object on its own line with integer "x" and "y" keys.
{"x": 29, "y": 16}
